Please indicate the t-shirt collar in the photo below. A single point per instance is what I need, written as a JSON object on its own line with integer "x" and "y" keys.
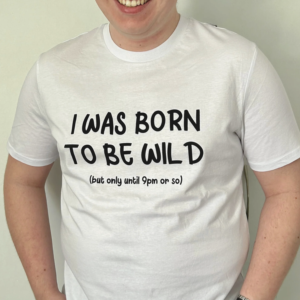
{"x": 145, "y": 56}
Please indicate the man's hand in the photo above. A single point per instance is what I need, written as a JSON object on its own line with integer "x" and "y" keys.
{"x": 27, "y": 220}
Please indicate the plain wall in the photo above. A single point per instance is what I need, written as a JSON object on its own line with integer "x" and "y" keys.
{"x": 28, "y": 28}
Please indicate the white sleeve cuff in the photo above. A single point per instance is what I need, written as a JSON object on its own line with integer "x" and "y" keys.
{"x": 29, "y": 161}
{"x": 278, "y": 163}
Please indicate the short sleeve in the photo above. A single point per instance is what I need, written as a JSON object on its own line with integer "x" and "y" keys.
{"x": 271, "y": 133}
{"x": 30, "y": 140}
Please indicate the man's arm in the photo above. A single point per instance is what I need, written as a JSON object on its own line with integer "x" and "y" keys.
{"x": 278, "y": 236}
{"x": 27, "y": 219}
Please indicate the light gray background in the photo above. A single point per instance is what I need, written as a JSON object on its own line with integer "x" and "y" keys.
{"x": 28, "y": 28}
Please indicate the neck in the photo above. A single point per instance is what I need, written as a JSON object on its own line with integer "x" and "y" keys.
{"x": 148, "y": 40}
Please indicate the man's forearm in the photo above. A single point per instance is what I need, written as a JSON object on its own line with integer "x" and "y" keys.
{"x": 276, "y": 245}
{"x": 27, "y": 219}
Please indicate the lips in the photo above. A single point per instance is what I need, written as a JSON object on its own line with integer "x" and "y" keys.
{"x": 133, "y": 6}
{"x": 132, "y": 3}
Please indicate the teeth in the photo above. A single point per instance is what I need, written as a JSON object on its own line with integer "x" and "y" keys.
{"x": 132, "y": 3}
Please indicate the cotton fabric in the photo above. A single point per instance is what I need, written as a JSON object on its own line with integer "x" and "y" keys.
{"x": 209, "y": 98}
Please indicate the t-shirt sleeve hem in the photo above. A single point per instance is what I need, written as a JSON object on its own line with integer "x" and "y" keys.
{"x": 29, "y": 161}
{"x": 278, "y": 163}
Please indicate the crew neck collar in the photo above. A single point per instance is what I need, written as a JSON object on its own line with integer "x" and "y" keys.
{"x": 145, "y": 56}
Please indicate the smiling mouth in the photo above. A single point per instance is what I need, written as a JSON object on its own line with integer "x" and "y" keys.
{"x": 132, "y": 3}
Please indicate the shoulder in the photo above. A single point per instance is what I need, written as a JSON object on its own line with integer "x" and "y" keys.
{"x": 220, "y": 42}
{"x": 77, "y": 51}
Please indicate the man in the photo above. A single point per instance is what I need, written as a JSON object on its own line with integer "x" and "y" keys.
{"x": 151, "y": 117}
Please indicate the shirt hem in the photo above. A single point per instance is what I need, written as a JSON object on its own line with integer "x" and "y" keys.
{"x": 278, "y": 163}
{"x": 29, "y": 161}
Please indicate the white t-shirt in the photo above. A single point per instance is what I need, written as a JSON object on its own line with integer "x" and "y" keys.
{"x": 151, "y": 147}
